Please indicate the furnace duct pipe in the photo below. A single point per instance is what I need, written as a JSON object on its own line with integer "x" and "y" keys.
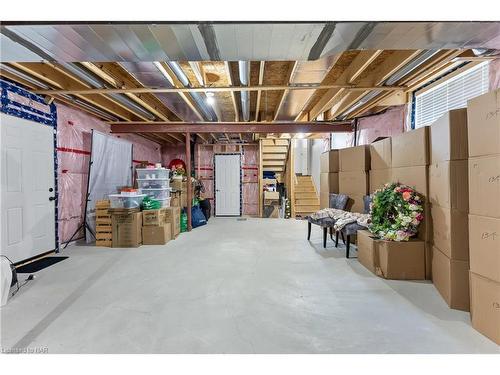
{"x": 244, "y": 72}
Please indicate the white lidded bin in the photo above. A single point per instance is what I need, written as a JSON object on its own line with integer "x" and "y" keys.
{"x": 126, "y": 201}
{"x": 152, "y": 173}
{"x": 153, "y": 183}
{"x": 158, "y": 194}
{"x": 164, "y": 202}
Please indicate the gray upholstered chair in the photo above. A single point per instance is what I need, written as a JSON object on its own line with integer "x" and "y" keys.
{"x": 352, "y": 228}
{"x": 338, "y": 201}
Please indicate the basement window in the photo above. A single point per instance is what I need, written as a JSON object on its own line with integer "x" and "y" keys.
{"x": 453, "y": 93}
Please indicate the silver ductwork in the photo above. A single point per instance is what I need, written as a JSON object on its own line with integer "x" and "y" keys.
{"x": 24, "y": 76}
{"x": 411, "y": 66}
{"x": 232, "y": 41}
{"x": 199, "y": 98}
{"x": 96, "y": 82}
{"x": 244, "y": 73}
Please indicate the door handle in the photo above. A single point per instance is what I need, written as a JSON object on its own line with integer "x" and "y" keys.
{"x": 52, "y": 198}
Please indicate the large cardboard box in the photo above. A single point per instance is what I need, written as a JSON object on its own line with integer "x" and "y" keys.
{"x": 354, "y": 158}
{"x": 485, "y": 306}
{"x": 127, "y": 229}
{"x": 324, "y": 200}
{"x": 156, "y": 235}
{"x": 173, "y": 216}
{"x": 411, "y": 148}
{"x": 367, "y": 250}
{"x": 381, "y": 154}
{"x": 415, "y": 177}
{"x": 353, "y": 183}
{"x": 484, "y": 186}
{"x": 483, "y": 114}
{"x": 378, "y": 178}
{"x": 451, "y": 279}
{"x": 450, "y": 232}
{"x": 329, "y": 182}
{"x": 271, "y": 195}
{"x": 484, "y": 246}
{"x": 448, "y": 184}
{"x": 153, "y": 217}
{"x": 329, "y": 161}
{"x": 355, "y": 203}
{"x": 448, "y": 137}
{"x": 425, "y": 227}
{"x": 402, "y": 260}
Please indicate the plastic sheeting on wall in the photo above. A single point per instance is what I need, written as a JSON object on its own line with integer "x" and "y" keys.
{"x": 387, "y": 124}
{"x": 73, "y": 151}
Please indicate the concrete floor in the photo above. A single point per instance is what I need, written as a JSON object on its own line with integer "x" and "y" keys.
{"x": 254, "y": 286}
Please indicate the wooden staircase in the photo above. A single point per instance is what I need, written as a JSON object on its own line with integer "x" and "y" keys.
{"x": 305, "y": 198}
{"x": 274, "y": 154}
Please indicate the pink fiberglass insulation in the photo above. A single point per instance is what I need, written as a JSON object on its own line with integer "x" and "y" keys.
{"x": 171, "y": 152}
{"x": 73, "y": 151}
{"x": 494, "y": 74}
{"x": 387, "y": 124}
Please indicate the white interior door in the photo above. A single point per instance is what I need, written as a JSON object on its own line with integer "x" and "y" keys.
{"x": 227, "y": 185}
{"x": 27, "y": 183}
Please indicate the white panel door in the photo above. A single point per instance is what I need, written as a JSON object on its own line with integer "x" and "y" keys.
{"x": 27, "y": 183}
{"x": 227, "y": 185}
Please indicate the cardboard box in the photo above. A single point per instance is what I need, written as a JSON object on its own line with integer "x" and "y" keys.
{"x": 324, "y": 200}
{"x": 451, "y": 279}
{"x": 127, "y": 229}
{"x": 354, "y": 182}
{"x": 415, "y": 177}
{"x": 156, "y": 235}
{"x": 448, "y": 137}
{"x": 411, "y": 149}
{"x": 483, "y": 116}
{"x": 355, "y": 203}
{"x": 450, "y": 232}
{"x": 484, "y": 186}
{"x": 485, "y": 306}
{"x": 271, "y": 195}
{"x": 448, "y": 184}
{"x": 269, "y": 181}
{"x": 329, "y": 182}
{"x": 425, "y": 227}
{"x": 381, "y": 154}
{"x": 175, "y": 199}
{"x": 378, "y": 178}
{"x": 178, "y": 184}
{"x": 354, "y": 158}
{"x": 329, "y": 161}
{"x": 270, "y": 211}
{"x": 367, "y": 250}
{"x": 153, "y": 217}
{"x": 401, "y": 260}
{"x": 173, "y": 216}
{"x": 484, "y": 246}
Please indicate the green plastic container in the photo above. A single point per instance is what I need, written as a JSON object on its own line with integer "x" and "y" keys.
{"x": 184, "y": 221}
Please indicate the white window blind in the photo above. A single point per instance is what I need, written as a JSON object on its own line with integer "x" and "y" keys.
{"x": 451, "y": 94}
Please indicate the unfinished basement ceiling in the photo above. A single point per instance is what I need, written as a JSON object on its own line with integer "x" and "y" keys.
{"x": 231, "y": 41}
{"x": 298, "y": 72}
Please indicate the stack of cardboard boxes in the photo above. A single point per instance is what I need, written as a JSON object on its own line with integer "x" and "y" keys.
{"x": 155, "y": 230}
{"x": 448, "y": 195}
{"x": 353, "y": 176}
{"x": 329, "y": 177}
{"x": 381, "y": 163}
{"x": 126, "y": 227}
{"x": 410, "y": 161}
{"x": 484, "y": 209}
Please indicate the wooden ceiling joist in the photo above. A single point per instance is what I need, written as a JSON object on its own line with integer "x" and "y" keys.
{"x": 118, "y": 77}
{"x": 287, "y": 78}
{"x": 259, "y": 93}
{"x": 54, "y": 76}
{"x": 227, "y": 68}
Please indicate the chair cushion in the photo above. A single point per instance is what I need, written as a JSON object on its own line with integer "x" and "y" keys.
{"x": 352, "y": 228}
{"x": 325, "y": 222}
{"x": 338, "y": 201}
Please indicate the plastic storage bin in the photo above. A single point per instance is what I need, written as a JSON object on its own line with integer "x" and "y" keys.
{"x": 152, "y": 174}
{"x": 126, "y": 201}
{"x": 153, "y": 184}
{"x": 164, "y": 202}
{"x": 159, "y": 194}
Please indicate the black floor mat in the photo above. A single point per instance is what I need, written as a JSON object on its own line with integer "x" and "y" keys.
{"x": 39, "y": 264}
